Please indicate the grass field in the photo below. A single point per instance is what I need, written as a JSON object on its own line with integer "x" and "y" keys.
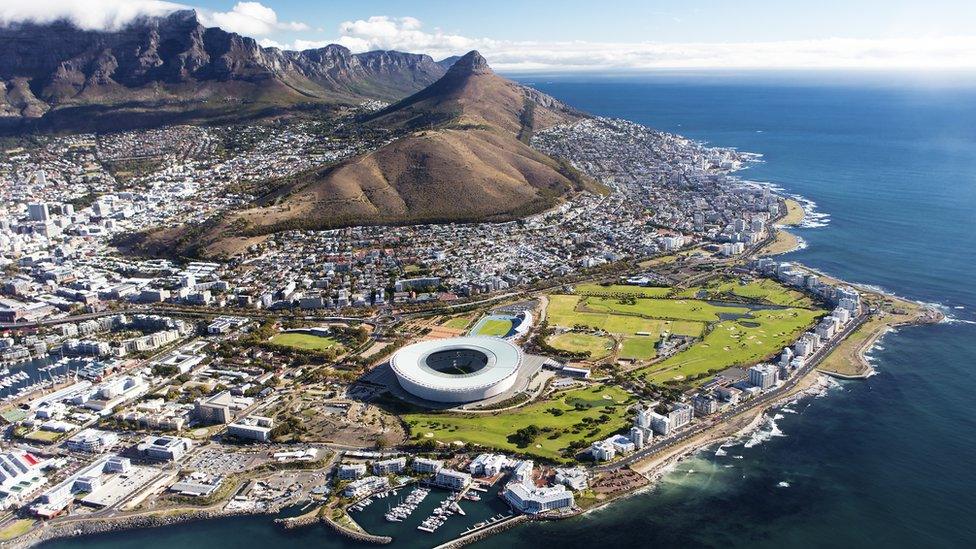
{"x": 677, "y": 309}
{"x": 764, "y": 290}
{"x": 598, "y": 346}
{"x": 734, "y": 343}
{"x": 16, "y": 528}
{"x": 457, "y": 323}
{"x": 562, "y": 312}
{"x": 43, "y": 436}
{"x": 559, "y": 428}
{"x": 638, "y": 348}
{"x": 620, "y": 290}
{"x": 307, "y": 342}
{"x": 494, "y": 327}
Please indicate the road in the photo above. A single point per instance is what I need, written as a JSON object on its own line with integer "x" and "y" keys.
{"x": 763, "y": 400}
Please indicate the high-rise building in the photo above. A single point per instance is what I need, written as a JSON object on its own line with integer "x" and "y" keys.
{"x": 38, "y": 212}
{"x": 763, "y": 376}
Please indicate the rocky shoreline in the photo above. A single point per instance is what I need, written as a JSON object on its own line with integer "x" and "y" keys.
{"x": 87, "y": 527}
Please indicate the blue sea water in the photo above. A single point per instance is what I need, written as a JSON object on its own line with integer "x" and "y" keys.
{"x": 888, "y": 461}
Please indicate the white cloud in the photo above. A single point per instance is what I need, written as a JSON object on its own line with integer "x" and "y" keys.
{"x": 382, "y": 32}
{"x": 86, "y": 14}
{"x": 249, "y": 19}
{"x": 409, "y": 34}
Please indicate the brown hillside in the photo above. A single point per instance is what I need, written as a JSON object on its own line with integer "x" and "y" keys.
{"x": 473, "y": 165}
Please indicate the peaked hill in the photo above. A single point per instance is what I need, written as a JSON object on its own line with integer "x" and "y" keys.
{"x": 463, "y": 156}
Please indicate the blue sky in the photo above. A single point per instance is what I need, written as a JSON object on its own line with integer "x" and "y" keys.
{"x": 586, "y": 35}
{"x": 637, "y": 20}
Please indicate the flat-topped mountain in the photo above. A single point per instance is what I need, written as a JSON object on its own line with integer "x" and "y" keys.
{"x": 464, "y": 157}
{"x": 174, "y": 64}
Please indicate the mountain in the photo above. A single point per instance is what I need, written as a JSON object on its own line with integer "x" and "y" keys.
{"x": 57, "y": 75}
{"x": 463, "y": 157}
{"x": 448, "y": 62}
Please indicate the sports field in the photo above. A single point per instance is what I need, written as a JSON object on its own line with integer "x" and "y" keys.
{"x": 597, "y": 346}
{"x": 571, "y": 416}
{"x": 457, "y": 323}
{"x": 491, "y": 326}
{"x": 638, "y": 348}
{"x": 306, "y": 342}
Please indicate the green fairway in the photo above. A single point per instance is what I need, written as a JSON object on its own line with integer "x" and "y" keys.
{"x": 620, "y": 290}
{"x": 638, "y": 348}
{"x": 598, "y": 346}
{"x": 734, "y": 343}
{"x": 457, "y": 323}
{"x": 561, "y": 313}
{"x": 761, "y": 290}
{"x": 307, "y": 342}
{"x": 571, "y": 416}
{"x": 679, "y": 309}
{"x": 494, "y": 327}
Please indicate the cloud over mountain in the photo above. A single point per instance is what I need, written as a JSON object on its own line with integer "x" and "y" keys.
{"x": 405, "y": 33}
{"x": 85, "y": 14}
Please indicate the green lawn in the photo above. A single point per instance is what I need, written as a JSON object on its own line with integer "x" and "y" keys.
{"x": 43, "y": 436}
{"x": 494, "y": 327}
{"x": 763, "y": 290}
{"x": 561, "y": 313}
{"x": 457, "y": 323}
{"x": 678, "y": 309}
{"x": 735, "y": 343}
{"x": 15, "y": 529}
{"x": 621, "y": 290}
{"x": 558, "y": 431}
{"x": 307, "y": 342}
{"x": 638, "y": 348}
{"x": 598, "y": 346}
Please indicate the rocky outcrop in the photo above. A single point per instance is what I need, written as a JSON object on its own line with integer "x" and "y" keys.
{"x": 176, "y": 60}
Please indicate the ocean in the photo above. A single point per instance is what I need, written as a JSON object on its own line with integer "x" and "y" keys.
{"x": 888, "y": 165}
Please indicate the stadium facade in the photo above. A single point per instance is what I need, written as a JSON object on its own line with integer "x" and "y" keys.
{"x": 460, "y": 369}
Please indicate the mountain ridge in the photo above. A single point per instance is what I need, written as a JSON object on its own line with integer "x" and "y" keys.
{"x": 175, "y": 62}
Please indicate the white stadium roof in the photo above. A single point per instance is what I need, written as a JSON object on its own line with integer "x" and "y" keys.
{"x": 501, "y": 362}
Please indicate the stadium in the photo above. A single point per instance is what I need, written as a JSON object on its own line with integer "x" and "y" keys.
{"x": 461, "y": 369}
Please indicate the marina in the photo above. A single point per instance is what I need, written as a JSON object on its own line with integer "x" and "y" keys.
{"x": 429, "y": 516}
{"x": 26, "y": 378}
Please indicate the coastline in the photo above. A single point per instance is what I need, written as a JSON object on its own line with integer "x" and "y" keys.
{"x": 654, "y": 468}
{"x": 83, "y": 527}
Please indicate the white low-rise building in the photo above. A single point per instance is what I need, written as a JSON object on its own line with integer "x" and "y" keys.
{"x": 532, "y": 500}
{"x": 252, "y": 428}
{"x": 449, "y": 478}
